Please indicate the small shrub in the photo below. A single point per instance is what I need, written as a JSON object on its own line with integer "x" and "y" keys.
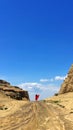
{"x": 56, "y": 101}
{"x": 71, "y": 112}
{"x": 5, "y": 108}
{"x": 61, "y": 106}
{"x": 56, "y": 94}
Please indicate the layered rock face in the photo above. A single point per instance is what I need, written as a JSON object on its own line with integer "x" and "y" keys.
{"x": 13, "y": 91}
{"x": 67, "y": 85}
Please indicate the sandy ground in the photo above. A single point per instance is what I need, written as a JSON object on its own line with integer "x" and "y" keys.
{"x": 54, "y": 113}
{"x": 65, "y": 100}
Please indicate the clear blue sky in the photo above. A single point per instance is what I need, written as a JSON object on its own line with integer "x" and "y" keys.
{"x": 36, "y": 42}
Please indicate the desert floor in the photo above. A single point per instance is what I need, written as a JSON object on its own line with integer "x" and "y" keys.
{"x": 55, "y": 113}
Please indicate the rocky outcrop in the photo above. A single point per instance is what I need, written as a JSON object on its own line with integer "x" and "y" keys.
{"x": 3, "y": 82}
{"x": 67, "y": 85}
{"x": 13, "y": 91}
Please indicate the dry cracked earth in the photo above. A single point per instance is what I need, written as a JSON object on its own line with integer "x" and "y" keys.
{"x": 49, "y": 114}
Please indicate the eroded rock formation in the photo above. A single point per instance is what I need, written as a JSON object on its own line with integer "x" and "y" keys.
{"x": 13, "y": 91}
{"x": 67, "y": 85}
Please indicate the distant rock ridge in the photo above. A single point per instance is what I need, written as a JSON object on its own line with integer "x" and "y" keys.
{"x": 13, "y": 91}
{"x": 4, "y": 82}
{"x": 67, "y": 85}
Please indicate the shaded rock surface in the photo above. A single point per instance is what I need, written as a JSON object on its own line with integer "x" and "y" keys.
{"x": 67, "y": 85}
{"x": 4, "y": 82}
{"x": 13, "y": 91}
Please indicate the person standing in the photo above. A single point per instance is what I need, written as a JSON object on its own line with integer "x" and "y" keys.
{"x": 36, "y": 97}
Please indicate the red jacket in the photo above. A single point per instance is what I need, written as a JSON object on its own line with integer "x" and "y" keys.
{"x": 36, "y": 97}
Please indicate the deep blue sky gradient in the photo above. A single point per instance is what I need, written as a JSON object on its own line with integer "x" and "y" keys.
{"x": 36, "y": 39}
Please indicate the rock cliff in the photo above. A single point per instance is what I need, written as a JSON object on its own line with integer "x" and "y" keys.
{"x": 13, "y": 91}
{"x": 67, "y": 85}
